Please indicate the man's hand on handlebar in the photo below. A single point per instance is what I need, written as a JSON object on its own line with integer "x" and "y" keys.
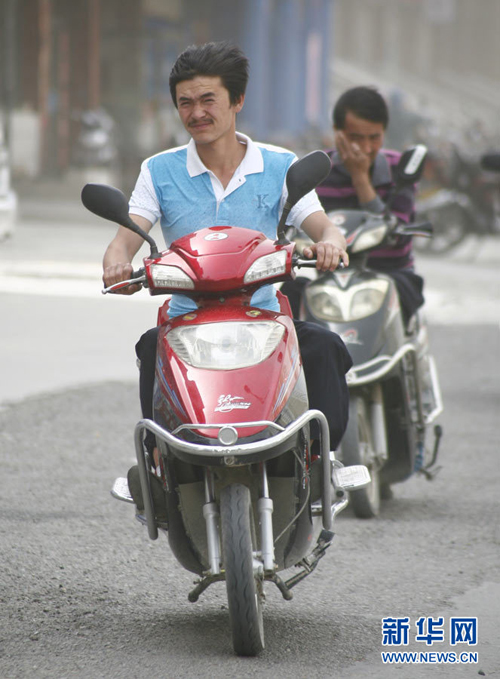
{"x": 329, "y": 256}
{"x": 117, "y": 273}
{"x": 328, "y": 246}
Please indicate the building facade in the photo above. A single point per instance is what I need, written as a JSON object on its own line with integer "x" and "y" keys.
{"x": 61, "y": 59}
{"x": 441, "y": 56}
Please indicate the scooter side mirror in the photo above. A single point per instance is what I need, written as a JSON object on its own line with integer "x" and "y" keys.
{"x": 490, "y": 162}
{"x": 110, "y": 203}
{"x": 303, "y": 176}
{"x": 411, "y": 165}
{"x": 106, "y": 202}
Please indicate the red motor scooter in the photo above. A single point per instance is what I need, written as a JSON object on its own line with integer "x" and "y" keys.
{"x": 241, "y": 496}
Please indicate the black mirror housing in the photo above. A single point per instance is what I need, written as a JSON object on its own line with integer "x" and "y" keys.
{"x": 411, "y": 165}
{"x": 305, "y": 174}
{"x": 490, "y": 162}
{"x": 110, "y": 203}
{"x": 302, "y": 176}
{"x": 106, "y": 202}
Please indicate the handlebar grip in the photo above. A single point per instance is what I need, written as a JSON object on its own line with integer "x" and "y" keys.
{"x": 305, "y": 263}
{"x": 141, "y": 278}
{"x": 311, "y": 263}
{"x": 417, "y": 229}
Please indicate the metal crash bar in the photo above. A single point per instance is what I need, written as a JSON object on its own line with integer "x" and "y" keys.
{"x": 236, "y": 450}
{"x": 388, "y": 364}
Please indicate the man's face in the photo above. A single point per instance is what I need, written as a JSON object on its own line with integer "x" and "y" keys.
{"x": 367, "y": 135}
{"x": 205, "y": 109}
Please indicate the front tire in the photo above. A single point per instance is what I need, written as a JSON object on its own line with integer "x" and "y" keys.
{"x": 244, "y": 589}
{"x": 357, "y": 448}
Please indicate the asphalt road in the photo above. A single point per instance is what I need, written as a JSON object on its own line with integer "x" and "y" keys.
{"x": 85, "y": 594}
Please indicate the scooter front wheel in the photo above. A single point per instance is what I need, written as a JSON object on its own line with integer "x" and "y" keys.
{"x": 244, "y": 588}
{"x": 357, "y": 448}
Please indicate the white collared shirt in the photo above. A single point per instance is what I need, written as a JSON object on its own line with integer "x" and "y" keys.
{"x": 176, "y": 187}
{"x": 163, "y": 190}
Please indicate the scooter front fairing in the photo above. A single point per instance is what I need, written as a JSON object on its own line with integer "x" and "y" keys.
{"x": 362, "y": 307}
{"x": 217, "y": 405}
{"x": 227, "y": 364}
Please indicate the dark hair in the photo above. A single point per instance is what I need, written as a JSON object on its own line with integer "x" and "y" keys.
{"x": 212, "y": 59}
{"x": 364, "y": 102}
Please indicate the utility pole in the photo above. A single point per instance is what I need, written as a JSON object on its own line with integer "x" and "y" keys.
{"x": 44, "y": 66}
{"x": 8, "y": 198}
{"x": 9, "y": 67}
{"x": 94, "y": 54}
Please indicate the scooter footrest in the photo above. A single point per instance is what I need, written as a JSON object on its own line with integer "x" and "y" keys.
{"x": 121, "y": 490}
{"x": 351, "y": 478}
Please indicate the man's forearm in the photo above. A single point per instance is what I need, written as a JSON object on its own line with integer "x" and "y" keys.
{"x": 117, "y": 252}
{"x": 319, "y": 228}
{"x": 125, "y": 245}
{"x": 364, "y": 189}
{"x": 332, "y": 234}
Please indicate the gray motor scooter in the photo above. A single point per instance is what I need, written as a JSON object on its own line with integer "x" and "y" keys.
{"x": 393, "y": 384}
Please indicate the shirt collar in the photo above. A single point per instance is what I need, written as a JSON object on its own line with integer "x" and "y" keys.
{"x": 252, "y": 162}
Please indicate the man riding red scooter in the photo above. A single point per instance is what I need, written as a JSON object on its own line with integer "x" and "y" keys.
{"x": 224, "y": 178}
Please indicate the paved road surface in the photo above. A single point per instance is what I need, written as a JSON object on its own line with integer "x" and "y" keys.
{"x": 85, "y": 594}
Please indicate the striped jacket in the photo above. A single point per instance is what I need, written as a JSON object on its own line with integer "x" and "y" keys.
{"x": 337, "y": 193}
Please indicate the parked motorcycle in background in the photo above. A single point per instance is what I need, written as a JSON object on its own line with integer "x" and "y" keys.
{"x": 96, "y": 143}
{"x": 393, "y": 384}
{"x": 8, "y": 197}
{"x": 490, "y": 162}
{"x": 459, "y": 197}
{"x": 238, "y": 491}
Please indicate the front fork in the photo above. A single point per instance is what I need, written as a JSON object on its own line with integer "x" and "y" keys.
{"x": 377, "y": 420}
{"x": 211, "y": 514}
{"x": 265, "y": 512}
{"x": 421, "y": 419}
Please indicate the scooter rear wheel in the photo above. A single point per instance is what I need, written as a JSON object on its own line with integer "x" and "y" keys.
{"x": 244, "y": 588}
{"x": 357, "y": 448}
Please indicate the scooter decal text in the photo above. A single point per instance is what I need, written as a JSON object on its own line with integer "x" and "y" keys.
{"x": 227, "y": 403}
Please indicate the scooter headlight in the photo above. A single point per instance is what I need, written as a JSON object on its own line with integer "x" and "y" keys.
{"x": 324, "y": 302}
{"x": 165, "y": 276}
{"x": 367, "y": 299}
{"x": 328, "y": 303}
{"x": 369, "y": 239}
{"x": 266, "y": 267}
{"x": 225, "y": 346}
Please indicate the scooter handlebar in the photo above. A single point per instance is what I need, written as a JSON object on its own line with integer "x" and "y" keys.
{"x": 311, "y": 263}
{"x": 138, "y": 278}
{"x": 424, "y": 229}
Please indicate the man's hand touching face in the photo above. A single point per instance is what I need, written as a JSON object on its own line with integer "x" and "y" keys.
{"x": 355, "y": 160}
{"x": 358, "y": 143}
